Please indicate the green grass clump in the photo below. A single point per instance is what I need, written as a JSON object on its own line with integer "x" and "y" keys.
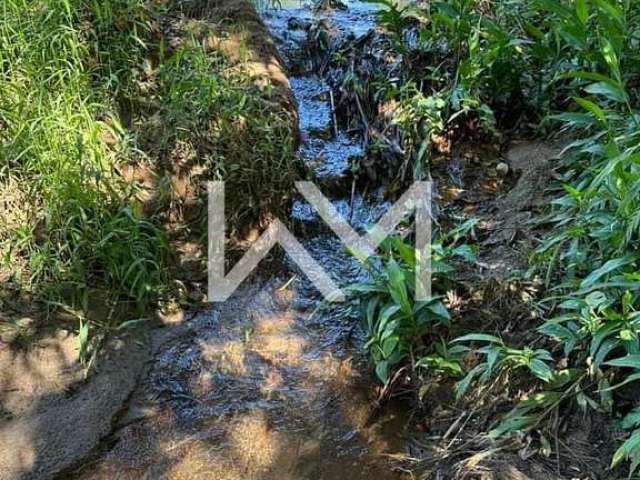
{"x": 90, "y": 90}
{"x": 230, "y": 129}
{"x": 65, "y": 64}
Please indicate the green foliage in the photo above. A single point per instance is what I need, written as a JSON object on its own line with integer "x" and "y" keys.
{"x": 87, "y": 88}
{"x": 218, "y": 112}
{"x": 574, "y": 64}
{"x": 64, "y": 65}
{"x": 500, "y": 358}
{"x": 598, "y": 218}
{"x": 446, "y": 359}
{"x": 396, "y": 323}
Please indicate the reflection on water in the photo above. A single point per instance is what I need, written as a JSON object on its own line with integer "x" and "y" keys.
{"x": 252, "y": 390}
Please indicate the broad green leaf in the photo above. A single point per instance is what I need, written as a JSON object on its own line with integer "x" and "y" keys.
{"x": 479, "y": 337}
{"x": 595, "y": 77}
{"x": 463, "y": 385}
{"x": 594, "y": 109}
{"x": 607, "y": 90}
{"x": 438, "y": 309}
{"x": 466, "y": 252}
{"x": 610, "y": 56}
{"x": 629, "y": 448}
{"x": 385, "y": 314}
{"x": 630, "y": 361}
{"x": 382, "y": 371}
{"x": 574, "y": 119}
{"x": 513, "y": 425}
{"x": 541, "y": 370}
{"x": 582, "y": 11}
{"x": 389, "y": 345}
{"x": 608, "y": 267}
{"x": 629, "y": 379}
{"x": 365, "y": 288}
{"x": 372, "y": 305}
{"x": 398, "y": 286}
{"x": 610, "y": 9}
{"x": 631, "y": 420}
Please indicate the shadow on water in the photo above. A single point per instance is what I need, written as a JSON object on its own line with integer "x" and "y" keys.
{"x": 255, "y": 388}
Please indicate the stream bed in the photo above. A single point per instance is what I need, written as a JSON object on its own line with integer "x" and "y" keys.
{"x": 267, "y": 385}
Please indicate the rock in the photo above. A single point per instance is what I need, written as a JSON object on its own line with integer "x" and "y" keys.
{"x": 503, "y": 169}
{"x": 296, "y": 24}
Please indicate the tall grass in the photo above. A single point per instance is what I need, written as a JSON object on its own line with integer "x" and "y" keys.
{"x": 92, "y": 88}
{"x": 230, "y": 128}
{"x": 65, "y": 64}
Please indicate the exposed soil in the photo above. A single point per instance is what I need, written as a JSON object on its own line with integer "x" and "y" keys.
{"x": 51, "y": 416}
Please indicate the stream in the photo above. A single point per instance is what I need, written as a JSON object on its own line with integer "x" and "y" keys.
{"x": 267, "y": 385}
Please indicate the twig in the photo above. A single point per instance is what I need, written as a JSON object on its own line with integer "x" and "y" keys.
{"x": 287, "y": 283}
{"x": 333, "y": 112}
{"x": 453, "y": 426}
{"x": 353, "y": 193}
{"x": 362, "y": 115}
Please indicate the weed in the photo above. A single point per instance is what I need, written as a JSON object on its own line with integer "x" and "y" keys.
{"x": 88, "y": 88}
{"x": 60, "y": 60}
{"x": 395, "y": 323}
{"x": 216, "y": 113}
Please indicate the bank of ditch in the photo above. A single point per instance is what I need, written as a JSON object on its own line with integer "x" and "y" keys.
{"x": 113, "y": 116}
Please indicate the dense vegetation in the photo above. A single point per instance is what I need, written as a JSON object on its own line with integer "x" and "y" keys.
{"x": 114, "y": 112}
{"x": 111, "y": 115}
{"x": 542, "y": 65}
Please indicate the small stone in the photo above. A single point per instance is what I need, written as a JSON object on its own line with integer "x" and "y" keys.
{"x": 296, "y": 24}
{"x": 503, "y": 169}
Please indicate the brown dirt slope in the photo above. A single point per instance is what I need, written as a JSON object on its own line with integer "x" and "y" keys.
{"x": 52, "y": 416}
{"x": 245, "y": 41}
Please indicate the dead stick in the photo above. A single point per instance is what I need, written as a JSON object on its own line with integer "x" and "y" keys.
{"x": 365, "y": 140}
{"x": 333, "y": 112}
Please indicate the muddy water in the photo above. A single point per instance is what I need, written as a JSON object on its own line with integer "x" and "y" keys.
{"x": 266, "y": 385}
{"x": 255, "y": 389}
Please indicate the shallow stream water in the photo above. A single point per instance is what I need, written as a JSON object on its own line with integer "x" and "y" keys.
{"x": 267, "y": 385}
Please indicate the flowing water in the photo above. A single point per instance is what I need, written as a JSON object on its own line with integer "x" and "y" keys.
{"x": 267, "y": 385}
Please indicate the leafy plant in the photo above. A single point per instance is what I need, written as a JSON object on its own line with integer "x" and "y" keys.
{"x": 499, "y": 358}
{"x": 66, "y": 67}
{"x": 572, "y": 64}
{"x": 93, "y": 105}
{"x": 396, "y": 323}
